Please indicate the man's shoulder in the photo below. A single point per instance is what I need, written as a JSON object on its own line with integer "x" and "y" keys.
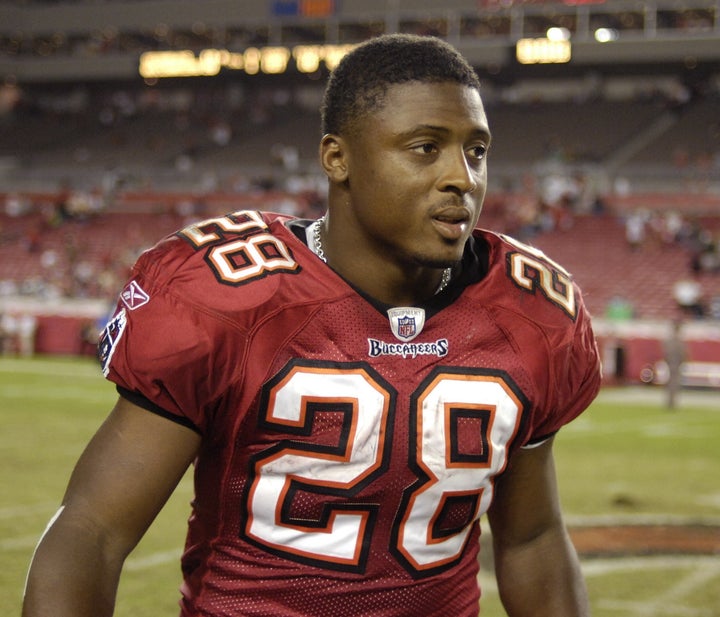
{"x": 501, "y": 245}
{"x": 523, "y": 282}
{"x": 236, "y": 259}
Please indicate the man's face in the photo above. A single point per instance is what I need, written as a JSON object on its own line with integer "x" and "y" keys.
{"x": 417, "y": 173}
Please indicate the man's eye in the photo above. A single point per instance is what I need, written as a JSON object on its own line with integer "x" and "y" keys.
{"x": 426, "y": 148}
{"x": 478, "y": 152}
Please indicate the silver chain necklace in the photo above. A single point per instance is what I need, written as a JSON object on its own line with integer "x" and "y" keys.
{"x": 318, "y": 250}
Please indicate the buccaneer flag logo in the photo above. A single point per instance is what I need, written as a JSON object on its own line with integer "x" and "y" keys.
{"x": 406, "y": 322}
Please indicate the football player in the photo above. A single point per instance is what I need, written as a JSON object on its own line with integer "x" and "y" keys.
{"x": 354, "y": 393}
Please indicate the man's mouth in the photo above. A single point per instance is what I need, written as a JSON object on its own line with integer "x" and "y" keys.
{"x": 452, "y": 225}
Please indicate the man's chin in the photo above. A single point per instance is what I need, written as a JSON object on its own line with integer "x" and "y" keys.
{"x": 440, "y": 264}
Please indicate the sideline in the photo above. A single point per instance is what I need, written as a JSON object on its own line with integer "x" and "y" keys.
{"x": 657, "y": 395}
{"x": 609, "y": 565}
{"x": 61, "y": 367}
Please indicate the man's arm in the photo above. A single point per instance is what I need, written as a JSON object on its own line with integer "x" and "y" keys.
{"x": 122, "y": 480}
{"x": 537, "y": 568}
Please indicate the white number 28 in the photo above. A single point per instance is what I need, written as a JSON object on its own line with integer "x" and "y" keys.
{"x": 462, "y": 424}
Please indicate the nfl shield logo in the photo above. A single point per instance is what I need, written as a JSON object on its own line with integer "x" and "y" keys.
{"x": 406, "y": 327}
{"x": 406, "y": 322}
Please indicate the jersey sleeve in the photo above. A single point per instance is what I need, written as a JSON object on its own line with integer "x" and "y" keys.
{"x": 575, "y": 376}
{"x": 165, "y": 347}
{"x": 543, "y": 312}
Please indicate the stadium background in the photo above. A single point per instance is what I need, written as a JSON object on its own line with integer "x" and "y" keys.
{"x": 96, "y": 163}
{"x": 609, "y": 162}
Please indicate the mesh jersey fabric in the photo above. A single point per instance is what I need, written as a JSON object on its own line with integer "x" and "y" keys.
{"x": 342, "y": 470}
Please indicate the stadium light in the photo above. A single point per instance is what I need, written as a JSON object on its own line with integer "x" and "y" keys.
{"x": 558, "y": 34}
{"x": 606, "y": 35}
{"x": 209, "y": 62}
{"x": 543, "y": 51}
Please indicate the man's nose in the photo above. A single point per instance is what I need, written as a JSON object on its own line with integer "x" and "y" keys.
{"x": 458, "y": 174}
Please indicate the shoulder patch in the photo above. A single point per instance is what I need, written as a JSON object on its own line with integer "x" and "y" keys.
{"x": 133, "y": 296}
{"x": 109, "y": 339}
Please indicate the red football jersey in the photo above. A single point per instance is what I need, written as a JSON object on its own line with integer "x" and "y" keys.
{"x": 347, "y": 455}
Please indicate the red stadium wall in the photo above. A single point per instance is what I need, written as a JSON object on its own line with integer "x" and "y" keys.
{"x": 628, "y": 358}
{"x": 60, "y": 328}
{"x": 63, "y": 336}
{"x": 641, "y": 357}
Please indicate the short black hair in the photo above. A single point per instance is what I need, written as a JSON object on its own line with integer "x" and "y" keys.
{"x": 359, "y": 82}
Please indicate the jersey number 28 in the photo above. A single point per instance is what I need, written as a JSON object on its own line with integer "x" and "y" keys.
{"x": 461, "y": 426}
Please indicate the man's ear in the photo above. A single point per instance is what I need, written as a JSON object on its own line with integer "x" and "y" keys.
{"x": 334, "y": 157}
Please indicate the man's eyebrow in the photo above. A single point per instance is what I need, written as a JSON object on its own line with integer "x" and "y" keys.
{"x": 424, "y": 128}
{"x": 480, "y": 132}
{"x": 483, "y": 133}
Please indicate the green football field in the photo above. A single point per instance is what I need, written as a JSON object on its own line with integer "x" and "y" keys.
{"x": 628, "y": 459}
